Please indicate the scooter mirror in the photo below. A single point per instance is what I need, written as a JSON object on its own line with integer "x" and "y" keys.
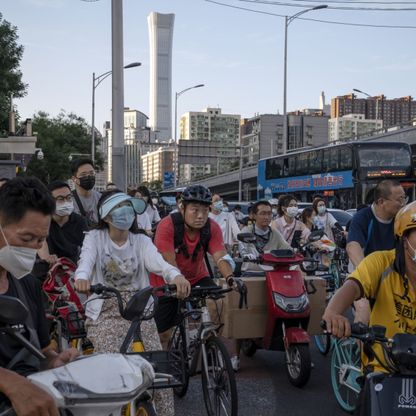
{"x": 246, "y": 237}
{"x": 12, "y": 310}
{"x": 315, "y": 236}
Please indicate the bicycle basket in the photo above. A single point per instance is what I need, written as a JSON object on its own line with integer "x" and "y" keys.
{"x": 166, "y": 362}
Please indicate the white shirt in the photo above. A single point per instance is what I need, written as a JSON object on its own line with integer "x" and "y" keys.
{"x": 153, "y": 214}
{"x": 228, "y": 225}
{"x": 124, "y": 267}
{"x": 143, "y": 221}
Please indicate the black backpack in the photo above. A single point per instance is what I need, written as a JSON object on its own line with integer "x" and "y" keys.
{"x": 179, "y": 242}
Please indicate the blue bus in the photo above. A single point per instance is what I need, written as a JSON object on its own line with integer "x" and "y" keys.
{"x": 344, "y": 174}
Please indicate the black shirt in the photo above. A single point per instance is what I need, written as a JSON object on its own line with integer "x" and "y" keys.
{"x": 9, "y": 347}
{"x": 66, "y": 241}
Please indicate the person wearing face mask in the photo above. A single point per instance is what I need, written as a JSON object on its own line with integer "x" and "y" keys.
{"x": 287, "y": 223}
{"x": 226, "y": 220}
{"x": 388, "y": 280}
{"x": 151, "y": 210}
{"x": 275, "y": 207}
{"x": 85, "y": 196}
{"x": 324, "y": 220}
{"x": 68, "y": 229}
{"x": 26, "y": 208}
{"x": 118, "y": 254}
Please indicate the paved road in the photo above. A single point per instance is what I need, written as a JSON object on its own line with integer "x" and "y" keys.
{"x": 264, "y": 389}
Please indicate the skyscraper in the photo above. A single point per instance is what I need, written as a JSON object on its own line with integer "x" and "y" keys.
{"x": 161, "y": 38}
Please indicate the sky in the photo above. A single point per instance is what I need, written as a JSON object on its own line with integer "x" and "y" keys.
{"x": 237, "y": 54}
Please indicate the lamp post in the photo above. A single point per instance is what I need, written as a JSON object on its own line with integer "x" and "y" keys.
{"x": 288, "y": 21}
{"x": 369, "y": 96}
{"x": 96, "y": 81}
{"x": 175, "y": 153}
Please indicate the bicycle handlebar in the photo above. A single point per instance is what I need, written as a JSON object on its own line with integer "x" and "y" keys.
{"x": 100, "y": 289}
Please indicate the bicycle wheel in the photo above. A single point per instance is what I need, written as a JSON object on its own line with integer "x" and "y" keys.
{"x": 178, "y": 342}
{"x": 345, "y": 368}
{"x": 218, "y": 380}
{"x": 323, "y": 343}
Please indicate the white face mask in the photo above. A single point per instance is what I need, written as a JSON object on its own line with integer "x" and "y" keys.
{"x": 64, "y": 209}
{"x": 414, "y": 250}
{"x": 18, "y": 261}
{"x": 155, "y": 201}
{"x": 292, "y": 212}
{"x": 321, "y": 209}
{"x": 274, "y": 211}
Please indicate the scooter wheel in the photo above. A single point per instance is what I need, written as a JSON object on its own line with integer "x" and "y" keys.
{"x": 249, "y": 347}
{"x": 298, "y": 365}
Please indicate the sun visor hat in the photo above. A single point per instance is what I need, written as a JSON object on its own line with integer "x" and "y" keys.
{"x": 109, "y": 204}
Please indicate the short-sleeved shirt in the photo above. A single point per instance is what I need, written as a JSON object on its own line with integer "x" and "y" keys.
{"x": 391, "y": 309}
{"x": 66, "y": 241}
{"x": 9, "y": 347}
{"x": 90, "y": 206}
{"x": 192, "y": 270}
{"x": 288, "y": 230}
{"x": 371, "y": 234}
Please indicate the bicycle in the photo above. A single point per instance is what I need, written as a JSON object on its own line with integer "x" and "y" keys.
{"x": 197, "y": 337}
{"x": 168, "y": 365}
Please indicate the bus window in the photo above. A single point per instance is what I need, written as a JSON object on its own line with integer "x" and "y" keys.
{"x": 334, "y": 161}
{"x": 345, "y": 162}
{"x": 315, "y": 161}
{"x": 286, "y": 166}
{"x": 292, "y": 165}
{"x": 388, "y": 156}
{"x": 274, "y": 168}
{"x": 325, "y": 161}
{"x": 302, "y": 164}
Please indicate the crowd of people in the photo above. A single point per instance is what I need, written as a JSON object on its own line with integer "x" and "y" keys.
{"x": 126, "y": 241}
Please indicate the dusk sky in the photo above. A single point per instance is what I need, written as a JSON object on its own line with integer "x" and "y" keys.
{"x": 237, "y": 54}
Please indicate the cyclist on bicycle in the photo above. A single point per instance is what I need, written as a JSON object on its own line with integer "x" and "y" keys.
{"x": 388, "y": 280}
{"x": 198, "y": 235}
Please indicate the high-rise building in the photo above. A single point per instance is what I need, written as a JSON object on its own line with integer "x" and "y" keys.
{"x": 220, "y": 131}
{"x": 161, "y": 38}
{"x": 394, "y": 112}
{"x": 352, "y": 126}
{"x": 262, "y": 135}
{"x": 156, "y": 163}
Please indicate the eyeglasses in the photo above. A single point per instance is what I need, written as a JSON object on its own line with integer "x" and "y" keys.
{"x": 402, "y": 200}
{"x": 67, "y": 198}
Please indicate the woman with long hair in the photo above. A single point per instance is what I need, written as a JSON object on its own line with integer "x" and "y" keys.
{"x": 293, "y": 230}
{"x": 323, "y": 219}
{"x": 120, "y": 255}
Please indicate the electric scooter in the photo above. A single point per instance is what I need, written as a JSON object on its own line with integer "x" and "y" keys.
{"x": 93, "y": 385}
{"x": 288, "y": 310}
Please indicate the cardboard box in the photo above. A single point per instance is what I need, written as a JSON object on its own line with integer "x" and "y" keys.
{"x": 316, "y": 288}
{"x": 250, "y": 322}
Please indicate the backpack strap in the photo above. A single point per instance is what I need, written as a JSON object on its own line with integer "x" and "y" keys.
{"x": 386, "y": 272}
{"x": 369, "y": 230}
{"x": 79, "y": 203}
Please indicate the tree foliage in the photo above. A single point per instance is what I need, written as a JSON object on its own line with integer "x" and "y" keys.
{"x": 59, "y": 137}
{"x": 10, "y": 75}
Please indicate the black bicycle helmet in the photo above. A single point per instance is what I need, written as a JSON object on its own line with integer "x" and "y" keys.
{"x": 197, "y": 193}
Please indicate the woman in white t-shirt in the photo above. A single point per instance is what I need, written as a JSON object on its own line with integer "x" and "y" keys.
{"x": 119, "y": 255}
{"x": 324, "y": 220}
{"x": 151, "y": 210}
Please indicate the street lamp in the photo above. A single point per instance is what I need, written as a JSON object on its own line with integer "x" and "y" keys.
{"x": 176, "y": 155}
{"x": 288, "y": 21}
{"x": 96, "y": 81}
{"x": 369, "y": 96}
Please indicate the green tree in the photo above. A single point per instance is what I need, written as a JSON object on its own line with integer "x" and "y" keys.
{"x": 59, "y": 137}
{"x": 10, "y": 75}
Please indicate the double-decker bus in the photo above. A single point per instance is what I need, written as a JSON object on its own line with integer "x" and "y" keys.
{"x": 344, "y": 174}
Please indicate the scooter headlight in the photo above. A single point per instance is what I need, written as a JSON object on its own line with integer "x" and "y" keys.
{"x": 294, "y": 305}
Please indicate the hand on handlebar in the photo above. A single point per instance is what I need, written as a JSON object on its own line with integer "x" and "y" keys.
{"x": 82, "y": 285}
{"x": 337, "y": 325}
{"x": 183, "y": 287}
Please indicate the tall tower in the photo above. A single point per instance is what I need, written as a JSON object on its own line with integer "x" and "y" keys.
{"x": 161, "y": 38}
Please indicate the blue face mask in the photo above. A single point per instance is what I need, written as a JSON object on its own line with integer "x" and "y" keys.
{"x": 218, "y": 205}
{"x": 123, "y": 217}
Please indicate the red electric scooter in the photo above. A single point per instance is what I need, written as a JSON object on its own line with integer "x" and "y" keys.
{"x": 288, "y": 310}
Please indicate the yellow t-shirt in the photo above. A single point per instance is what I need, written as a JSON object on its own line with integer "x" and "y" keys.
{"x": 391, "y": 309}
